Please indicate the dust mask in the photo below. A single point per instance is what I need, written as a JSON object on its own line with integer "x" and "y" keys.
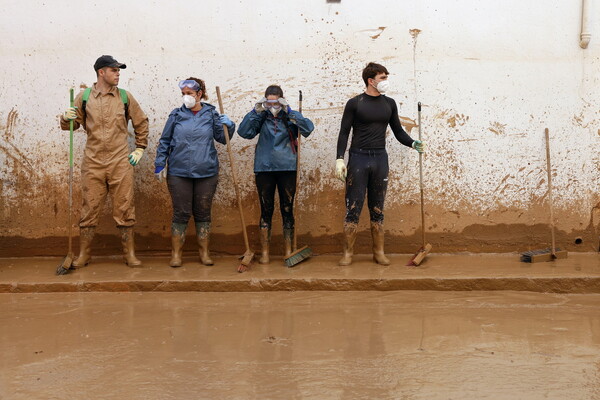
{"x": 383, "y": 86}
{"x": 275, "y": 110}
{"x": 189, "y": 101}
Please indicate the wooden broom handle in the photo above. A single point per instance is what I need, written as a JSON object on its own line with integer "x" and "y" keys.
{"x": 233, "y": 175}
{"x": 421, "y": 181}
{"x": 548, "y": 167}
{"x": 295, "y": 244}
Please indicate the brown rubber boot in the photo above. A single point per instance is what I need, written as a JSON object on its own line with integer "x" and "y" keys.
{"x": 265, "y": 239}
{"x": 377, "y": 235}
{"x": 288, "y": 237}
{"x": 349, "y": 239}
{"x": 85, "y": 244}
{"x": 129, "y": 246}
{"x": 202, "y": 233}
{"x": 177, "y": 241}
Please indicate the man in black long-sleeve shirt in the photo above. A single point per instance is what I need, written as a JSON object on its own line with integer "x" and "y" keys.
{"x": 368, "y": 115}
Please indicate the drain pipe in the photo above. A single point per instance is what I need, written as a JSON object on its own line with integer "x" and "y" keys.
{"x": 585, "y": 36}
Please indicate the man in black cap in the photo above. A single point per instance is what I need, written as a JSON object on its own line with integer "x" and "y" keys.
{"x": 104, "y": 112}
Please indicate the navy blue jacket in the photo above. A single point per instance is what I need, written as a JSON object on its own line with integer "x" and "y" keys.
{"x": 187, "y": 142}
{"x": 274, "y": 149}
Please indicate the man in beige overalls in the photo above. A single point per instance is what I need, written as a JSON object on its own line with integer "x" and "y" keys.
{"x": 107, "y": 164}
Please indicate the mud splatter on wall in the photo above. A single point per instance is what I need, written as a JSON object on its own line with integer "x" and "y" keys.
{"x": 488, "y": 92}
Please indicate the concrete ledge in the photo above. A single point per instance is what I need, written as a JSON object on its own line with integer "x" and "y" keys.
{"x": 580, "y": 273}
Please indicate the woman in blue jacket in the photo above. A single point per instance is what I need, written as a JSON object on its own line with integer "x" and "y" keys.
{"x": 187, "y": 147}
{"x": 275, "y": 161}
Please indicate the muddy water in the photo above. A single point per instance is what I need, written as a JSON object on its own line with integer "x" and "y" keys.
{"x": 352, "y": 345}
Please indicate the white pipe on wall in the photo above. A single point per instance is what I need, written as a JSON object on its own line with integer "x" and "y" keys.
{"x": 585, "y": 36}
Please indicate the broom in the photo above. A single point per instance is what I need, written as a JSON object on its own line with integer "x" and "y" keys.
{"x": 65, "y": 265}
{"x": 301, "y": 254}
{"x": 426, "y": 247}
{"x": 248, "y": 256}
{"x": 552, "y": 253}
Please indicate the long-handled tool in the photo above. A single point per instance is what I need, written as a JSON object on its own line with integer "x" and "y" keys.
{"x": 65, "y": 265}
{"x": 552, "y": 253}
{"x": 426, "y": 247}
{"x": 248, "y": 256}
{"x": 301, "y": 254}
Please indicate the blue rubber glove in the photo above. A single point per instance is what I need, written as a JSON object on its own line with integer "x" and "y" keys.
{"x": 160, "y": 173}
{"x": 224, "y": 119}
{"x": 419, "y": 146}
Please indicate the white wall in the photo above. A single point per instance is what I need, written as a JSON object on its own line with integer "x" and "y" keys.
{"x": 491, "y": 77}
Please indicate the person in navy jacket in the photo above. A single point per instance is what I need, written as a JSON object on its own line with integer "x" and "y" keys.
{"x": 186, "y": 156}
{"x": 278, "y": 127}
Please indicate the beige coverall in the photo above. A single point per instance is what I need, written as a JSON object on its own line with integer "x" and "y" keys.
{"x": 105, "y": 168}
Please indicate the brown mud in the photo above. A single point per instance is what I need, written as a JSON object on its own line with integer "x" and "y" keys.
{"x": 579, "y": 273}
{"x": 395, "y": 345}
{"x": 476, "y": 238}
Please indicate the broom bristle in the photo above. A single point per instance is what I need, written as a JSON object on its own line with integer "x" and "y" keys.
{"x": 298, "y": 256}
{"x": 528, "y": 255}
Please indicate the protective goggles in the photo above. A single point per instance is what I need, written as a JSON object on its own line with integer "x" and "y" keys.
{"x": 189, "y": 84}
{"x": 271, "y": 103}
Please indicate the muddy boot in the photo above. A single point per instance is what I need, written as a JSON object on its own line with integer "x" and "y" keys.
{"x": 349, "y": 238}
{"x": 202, "y": 233}
{"x": 377, "y": 235}
{"x": 288, "y": 237}
{"x": 177, "y": 241}
{"x": 128, "y": 246}
{"x": 265, "y": 239}
{"x": 85, "y": 244}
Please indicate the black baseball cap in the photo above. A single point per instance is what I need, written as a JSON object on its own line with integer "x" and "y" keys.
{"x": 107, "y": 61}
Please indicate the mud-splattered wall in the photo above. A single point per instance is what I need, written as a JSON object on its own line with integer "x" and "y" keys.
{"x": 491, "y": 76}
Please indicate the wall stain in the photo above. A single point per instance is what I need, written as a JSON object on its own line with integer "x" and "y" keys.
{"x": 497, "y": 128}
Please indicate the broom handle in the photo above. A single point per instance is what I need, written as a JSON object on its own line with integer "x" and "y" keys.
{"x": 71, "y": 175}
{"x": 297, "y": 169}
{"x": 421, "y": 181}
{"x": 233, "y": 176}
{"x": 550, "y": 189}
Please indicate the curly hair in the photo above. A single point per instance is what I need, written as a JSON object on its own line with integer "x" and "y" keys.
{"x": 202, "y": 86}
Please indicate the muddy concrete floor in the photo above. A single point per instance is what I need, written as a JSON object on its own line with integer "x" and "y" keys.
{"x": 300, "y": 345}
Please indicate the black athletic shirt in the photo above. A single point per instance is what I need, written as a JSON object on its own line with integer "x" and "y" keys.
{"x": 369, "y": 116}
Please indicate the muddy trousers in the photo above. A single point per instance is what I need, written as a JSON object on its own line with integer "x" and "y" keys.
{"x": 367, "y": 174}
{"x": 285, "y": 183}
{"x": 97, "y": 181}
{"x": 192, "y": 196}
{"x": 266, "y": 184}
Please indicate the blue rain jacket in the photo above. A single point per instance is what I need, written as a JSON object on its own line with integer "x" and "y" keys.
{"x": 187, "y": 142}
{"x": 274, "y": 150}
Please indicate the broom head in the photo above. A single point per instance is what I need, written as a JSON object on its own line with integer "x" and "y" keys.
{"x": 419, "y": 256}
{"x": 245, "y": 261}
{"x": 543, "y": 255}
{"x": 298, "y": 256}
{"x": 65, "y": 265}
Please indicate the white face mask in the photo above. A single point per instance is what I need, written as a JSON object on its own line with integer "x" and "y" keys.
{"x": 275, "y": 110}
{"x": 383, "y": 86}
{"x": 189, "y": 101}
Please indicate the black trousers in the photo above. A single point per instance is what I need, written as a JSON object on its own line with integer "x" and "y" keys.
{"x": 192, "y": 196}
{"x": 285, "y": 183}
{"x": 367, "y": 174}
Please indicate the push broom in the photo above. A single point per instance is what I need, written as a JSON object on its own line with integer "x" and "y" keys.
{"x": 301, "y": 254}
{"x": 248, "y": 256}
{"x": 553, "y": 253}
{"x": 65, "y": 265}
{"x": 425, "y": 247}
